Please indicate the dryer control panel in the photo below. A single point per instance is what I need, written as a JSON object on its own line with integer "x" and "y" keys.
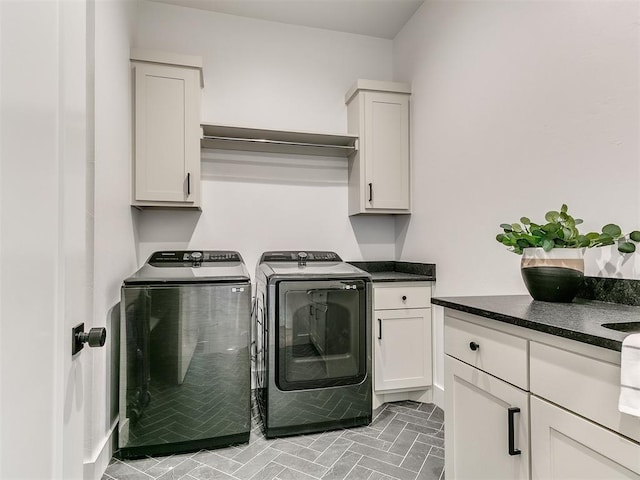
{"x": 297, "y": 255}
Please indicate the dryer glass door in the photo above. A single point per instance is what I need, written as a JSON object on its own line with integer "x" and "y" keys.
{"x": 321, "y": 331}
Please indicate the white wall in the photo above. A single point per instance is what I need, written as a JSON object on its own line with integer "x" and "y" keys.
{"x": 114, "y": 233}
{"x": 268, "y": 75}
{"x": 517, "y": 107}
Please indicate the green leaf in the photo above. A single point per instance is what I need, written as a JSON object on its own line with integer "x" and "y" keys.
{"x": 612, "y": 230}
{"x": 578, "y": 221}
{"x": 500, "y": 237}
{"x": 626, "y": 247}
{"x": 550, "y": 227}
{"x": 506, "y": 227}
{"x": 583, "y": 241}
{"x": 635, "y": 236}
{"x": 525, "y": 221}
{"x": 564, "y": 208}
{"x": 568, "y": 233}
{"x": 552, "y": 216}
{"x": 547, "y": 244}
{"x": 516, "y": 227}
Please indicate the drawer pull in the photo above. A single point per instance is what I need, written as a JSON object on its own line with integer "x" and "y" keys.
{"x": 512, "y": 449}
{"x": 404, "y": 298}
{"x": 474, "y": 346}
{"x": 379, "y": 329}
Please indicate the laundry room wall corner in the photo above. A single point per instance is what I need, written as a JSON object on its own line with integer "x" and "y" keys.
{"x": 115, "y": 251}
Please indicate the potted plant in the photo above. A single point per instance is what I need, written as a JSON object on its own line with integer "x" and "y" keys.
{"x": 552, "y": 263}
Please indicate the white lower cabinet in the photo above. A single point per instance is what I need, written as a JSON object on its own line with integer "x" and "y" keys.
{"x": 402, "y": 342}
{"x": 566, "y": 395}
{"x": 565, "y": 446}
{"x": 486, "y": 425}
{"x": 403, "y": 356}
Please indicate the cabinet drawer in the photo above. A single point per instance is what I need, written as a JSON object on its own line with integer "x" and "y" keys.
{"x": 385, "y": 298}
{"x": 500, "y": 354}
{"x": 588, "y": 386}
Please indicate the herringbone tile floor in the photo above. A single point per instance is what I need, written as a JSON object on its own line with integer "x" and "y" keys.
{"x": 405, "y": 441}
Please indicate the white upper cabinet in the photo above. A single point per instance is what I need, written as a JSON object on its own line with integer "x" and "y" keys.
{"x": 167, "y": 132}
{"x": 379, "y": 172}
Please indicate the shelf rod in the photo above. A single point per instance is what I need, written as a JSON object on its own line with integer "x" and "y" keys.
{"x": 276, "y": 142}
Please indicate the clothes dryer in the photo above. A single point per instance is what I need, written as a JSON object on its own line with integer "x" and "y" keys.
{"x": 312, "y": 330}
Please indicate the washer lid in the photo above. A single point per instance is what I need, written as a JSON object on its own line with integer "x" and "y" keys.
{"x": 191, "y": 266}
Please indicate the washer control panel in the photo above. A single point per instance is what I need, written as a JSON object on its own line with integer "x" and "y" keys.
{"x": 181, "y": 258}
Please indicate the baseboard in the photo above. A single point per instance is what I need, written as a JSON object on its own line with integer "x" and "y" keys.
{"x": 94, "y": 469}
{"x": 424, "y": 395}
{"x": 438, "y": 396}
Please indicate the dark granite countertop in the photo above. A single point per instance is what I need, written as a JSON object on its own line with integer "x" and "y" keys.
{"x": 580, "y": 320}
{"x": 391, "y": 271}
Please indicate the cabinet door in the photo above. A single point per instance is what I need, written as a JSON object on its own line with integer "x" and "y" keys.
{"x": 566, "y": 446}
{"x": 167, "y": 138}
{"x": 402, "y": 347}
{"x": 482, "y": 436}
{"x": 386, "y": 151}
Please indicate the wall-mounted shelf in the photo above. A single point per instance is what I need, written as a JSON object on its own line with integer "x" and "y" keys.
{"x": 228, "y": 137}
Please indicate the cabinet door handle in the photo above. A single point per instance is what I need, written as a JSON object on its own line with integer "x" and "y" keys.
{"x": 404, "y": 298}
{"x": 511, "y": 413}
{"x": 371, "y": 192}
{"x": 379, "y": 329}
{"x": 474, "y": 346}
{"x": 188, "y": 183}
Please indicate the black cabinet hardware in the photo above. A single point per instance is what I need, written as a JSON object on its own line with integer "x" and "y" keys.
{"x": 474, "y": 346}
{"x": 371, "y": 192}
{"x": 379, "y": 329}
{"x": 512, "y": 449}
